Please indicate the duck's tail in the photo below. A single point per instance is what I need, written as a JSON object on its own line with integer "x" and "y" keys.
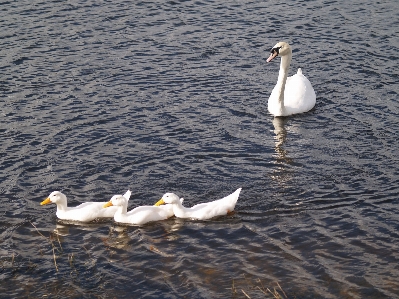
{"x": 127, "y": 194}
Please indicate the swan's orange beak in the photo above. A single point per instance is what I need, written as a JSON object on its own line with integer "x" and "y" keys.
{"x": 159, "y": 202}
{"x": 272, "y": 55}
{"x": 46, "y": 201}
{"x": 108, "y": 204}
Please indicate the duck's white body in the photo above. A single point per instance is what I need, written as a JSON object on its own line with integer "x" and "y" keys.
{"x": 84, "y": 212}
{"x": 139, "y": 215}
{"x": 291, "y": 95}
{"x": 201, "y": 211}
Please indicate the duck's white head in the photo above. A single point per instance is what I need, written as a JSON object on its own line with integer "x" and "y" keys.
{"x": 168, "y": 198}
{"x": 280, "y": 49}
{"x": 116, "y": 200}
{"x": 54, "y": 197}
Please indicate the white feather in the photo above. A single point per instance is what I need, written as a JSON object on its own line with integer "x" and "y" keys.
{"x": 291, "y": 95}
{"x": 201, "y": 211}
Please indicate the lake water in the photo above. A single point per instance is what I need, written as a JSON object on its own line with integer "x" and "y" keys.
{"x": 98, "y": 97}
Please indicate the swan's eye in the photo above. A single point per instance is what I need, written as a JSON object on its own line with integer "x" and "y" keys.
{"x": 274, "y": 50}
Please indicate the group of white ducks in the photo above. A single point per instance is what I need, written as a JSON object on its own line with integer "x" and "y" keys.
{"x": 291, "y": 95}
{"x": 169, "y": 205}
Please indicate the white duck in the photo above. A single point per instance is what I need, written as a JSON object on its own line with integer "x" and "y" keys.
{"x": 84, "y": 212}
{"x": 139, "y": 215}
{"x": 201, "y": 211}
{"x": 291, "y": 95}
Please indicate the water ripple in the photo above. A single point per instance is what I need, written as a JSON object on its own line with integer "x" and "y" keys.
{"x": 99, "y": 97}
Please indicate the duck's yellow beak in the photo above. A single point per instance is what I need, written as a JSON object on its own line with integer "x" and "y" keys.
{"x": 46, "y": 201}
{"x": 159, "y": 202}
{"x": 108, "y": 204}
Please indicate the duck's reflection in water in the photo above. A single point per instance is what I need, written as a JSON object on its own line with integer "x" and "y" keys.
{"x": 61, "y": 230}
{"x": 118, "y": 237}
{"x": 148, "y": 235}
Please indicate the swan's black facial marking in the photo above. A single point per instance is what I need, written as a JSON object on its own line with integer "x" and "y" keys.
{"x": 275, "y": 50}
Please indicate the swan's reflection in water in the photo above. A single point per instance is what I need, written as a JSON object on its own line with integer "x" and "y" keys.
{"x": 282, "y": 173}
{"x": 279, "y": 124}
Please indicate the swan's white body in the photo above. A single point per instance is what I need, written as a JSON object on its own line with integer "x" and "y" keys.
{"x": 139, "y": 215}
{"x": 291, "y": 95}
{"x": 84, "y": 212}
{"x": 201, "y": 211}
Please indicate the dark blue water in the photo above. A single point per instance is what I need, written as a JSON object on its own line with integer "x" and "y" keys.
{"x": 171, "y": 96}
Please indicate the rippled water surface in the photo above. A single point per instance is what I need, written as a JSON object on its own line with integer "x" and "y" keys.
{"x": 98, "y": 97}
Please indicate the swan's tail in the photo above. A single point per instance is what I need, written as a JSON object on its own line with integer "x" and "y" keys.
{"x": 299, "y": 71}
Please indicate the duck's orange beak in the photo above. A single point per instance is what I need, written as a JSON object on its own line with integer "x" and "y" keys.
{"x": 108, "y": 204}
{"x": 46, "y": 201}
{"x": 159, "y": 202}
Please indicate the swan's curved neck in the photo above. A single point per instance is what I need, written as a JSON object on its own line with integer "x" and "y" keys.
{"x": 282, "y": 78}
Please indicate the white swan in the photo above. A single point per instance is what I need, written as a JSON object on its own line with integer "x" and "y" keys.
{"x": 291, "y": 95}
{"x": 201, "y": 211}
{"x": 84, "y": 212}
{"x": 139, "y": 215}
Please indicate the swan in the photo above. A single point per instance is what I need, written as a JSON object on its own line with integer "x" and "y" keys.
{"x": 139, "y": 215}
{"x": 201, "y": 211}
{"x": 84, "y": 212}
{"x": 291, "y": 95}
